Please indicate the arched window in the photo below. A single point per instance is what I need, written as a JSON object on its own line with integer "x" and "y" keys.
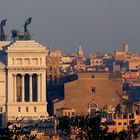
{"x": 93, "y": 108}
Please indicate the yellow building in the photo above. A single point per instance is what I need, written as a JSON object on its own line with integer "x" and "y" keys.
{"x": 91, "y": 91}
{"x": 70, "y": 112}
{"x": 53, "y": 70}
{"x": 122, "y": 122}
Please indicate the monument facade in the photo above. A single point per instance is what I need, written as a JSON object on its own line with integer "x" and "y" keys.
{"x": 23, "y": 80}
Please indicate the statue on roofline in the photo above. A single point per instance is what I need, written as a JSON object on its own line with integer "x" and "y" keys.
{"x": 27, "y": 22}
{"x": 2, "y": 33}
{"x": 16, "y": 35}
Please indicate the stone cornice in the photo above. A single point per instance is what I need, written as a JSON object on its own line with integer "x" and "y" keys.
{"x": 26, "y": 68}
{"x": 27, "y": 103}
{"x": 27, "y": 51}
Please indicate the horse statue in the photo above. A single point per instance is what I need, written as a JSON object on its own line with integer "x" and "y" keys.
{"x": 16, "y": 35}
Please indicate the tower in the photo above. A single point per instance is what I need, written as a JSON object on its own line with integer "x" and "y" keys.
{"x": 125, "y": 47}
{"x": 80, "y": 51}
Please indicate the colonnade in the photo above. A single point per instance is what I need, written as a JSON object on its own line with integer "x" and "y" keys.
{"x": 22, "y": 76}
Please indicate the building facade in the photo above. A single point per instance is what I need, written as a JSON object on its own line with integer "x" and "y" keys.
{"x": 91, "y": 92}
{"x": 23, "y": 80}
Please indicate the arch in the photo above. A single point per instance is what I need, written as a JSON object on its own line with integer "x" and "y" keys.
{"x": 93, "y": 108}
{"x": 93, "y": 105}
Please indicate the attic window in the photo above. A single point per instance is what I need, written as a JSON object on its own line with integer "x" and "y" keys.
{"x": 93, "y": 90}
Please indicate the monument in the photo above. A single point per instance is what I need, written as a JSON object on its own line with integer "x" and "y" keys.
{"x": 16, "y": 35}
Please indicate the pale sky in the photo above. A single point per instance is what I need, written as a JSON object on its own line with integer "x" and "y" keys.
{"x": 97, "y": 25}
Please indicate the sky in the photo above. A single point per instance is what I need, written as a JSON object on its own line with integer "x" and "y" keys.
{"x": 96, "y": 25}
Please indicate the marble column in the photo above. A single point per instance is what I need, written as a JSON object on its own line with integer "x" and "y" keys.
{"x": 23, "y": 88}
{"x": 41, "y": 87}
{"x": 31, "y": 88}
{"x": 38, "y": 88}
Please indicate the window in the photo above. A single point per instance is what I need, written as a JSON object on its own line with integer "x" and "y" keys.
{"x": 93, "y": 90}
{"x": 40, "y": 61}
{"x": 55, "y": 70}
{"x": 19, "y": 61}
{"x": 124, "y": 123}
{"x": 27, "y": 109}
{"x": 92, "y": 76}
{"x": 19, "y": 109}
{"x": 119, "y": 123}
{"x": 13, "y": 117}
{"x": 68, "y": 113}
{"x": 26, "y": 61}
{"x": 13, "y": 61}
{"x": 35, "y": 109}
{"x": 34, "y": 61}
{"x": 1, "y": 109}
{"x": 50, "y": 68}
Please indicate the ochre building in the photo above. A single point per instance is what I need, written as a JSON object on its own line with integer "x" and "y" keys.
{"x": 91, "y": 91}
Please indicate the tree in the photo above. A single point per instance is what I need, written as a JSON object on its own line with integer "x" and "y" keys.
{"x": 15, "y": 131}
{"x": 85, "y": 128}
